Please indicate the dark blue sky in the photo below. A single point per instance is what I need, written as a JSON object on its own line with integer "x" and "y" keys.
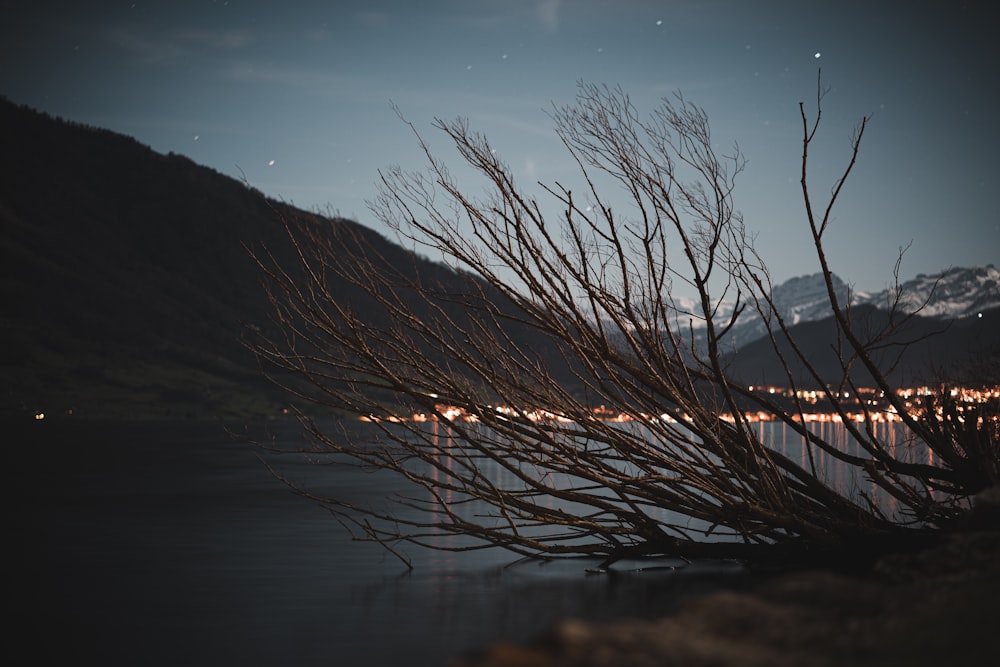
{"x": 296, "y": 96}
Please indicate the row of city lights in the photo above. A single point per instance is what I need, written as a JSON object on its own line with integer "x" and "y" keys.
{"x": 877, "y": 410}
{"x": 912, "y": 397}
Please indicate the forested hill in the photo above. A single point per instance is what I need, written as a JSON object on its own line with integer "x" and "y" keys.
{"x": 126, "y": 285}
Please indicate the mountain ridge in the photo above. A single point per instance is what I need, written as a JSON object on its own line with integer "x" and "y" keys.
{"x": 128, "y": 287}
{"x": 950, "y": 294}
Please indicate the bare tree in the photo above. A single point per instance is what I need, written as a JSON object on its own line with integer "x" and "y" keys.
{"x": 512, "y": 449}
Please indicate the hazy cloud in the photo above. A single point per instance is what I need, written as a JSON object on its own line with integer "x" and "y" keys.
{"x": 548, "y": 14}
{"x": 144, "y": 47}
{"x": 150, "y": 47}
{"x": 216, "y": 39}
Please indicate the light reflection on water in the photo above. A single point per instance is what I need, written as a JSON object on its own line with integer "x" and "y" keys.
{"x": 846, "y": 479}
{"x": 171, "y": 544}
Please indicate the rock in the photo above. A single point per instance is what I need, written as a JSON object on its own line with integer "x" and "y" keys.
{"x": 920, "y": 609}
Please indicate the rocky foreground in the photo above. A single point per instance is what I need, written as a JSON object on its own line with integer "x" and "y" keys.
{"x": 937, "y": 607}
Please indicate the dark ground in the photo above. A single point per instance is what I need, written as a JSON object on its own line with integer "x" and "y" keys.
{"x": 935, "y": 607}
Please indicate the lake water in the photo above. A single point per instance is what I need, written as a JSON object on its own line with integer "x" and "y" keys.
{"x": 170, "y": 544}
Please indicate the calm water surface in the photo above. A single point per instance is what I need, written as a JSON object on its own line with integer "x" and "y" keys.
{"x": 170, "y": 544}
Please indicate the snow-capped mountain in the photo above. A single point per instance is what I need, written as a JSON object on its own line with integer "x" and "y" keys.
{"x": 800, "y": 299}
{"x": 951, "y": 294}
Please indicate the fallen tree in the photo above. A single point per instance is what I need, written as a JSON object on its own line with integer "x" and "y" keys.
{"x": 510, "y": 447}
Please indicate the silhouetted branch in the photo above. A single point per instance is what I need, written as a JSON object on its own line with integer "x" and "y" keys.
{"x": 544, "y": 317}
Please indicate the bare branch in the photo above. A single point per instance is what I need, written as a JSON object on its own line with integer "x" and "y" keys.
{"x": 513, "y": 359}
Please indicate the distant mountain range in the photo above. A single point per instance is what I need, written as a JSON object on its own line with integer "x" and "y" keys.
{"x": 126, "y": 287}
{"x": 952, "y": 294}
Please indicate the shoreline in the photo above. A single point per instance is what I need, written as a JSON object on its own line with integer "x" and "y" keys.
{"x": 930, "y": 607}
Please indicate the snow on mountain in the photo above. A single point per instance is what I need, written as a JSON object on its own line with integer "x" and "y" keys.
{"x": 953, "y": 293}
{"x": 799, "y": 299}
{"x": 805, "y": 298}
{"x": 950, "y": 294}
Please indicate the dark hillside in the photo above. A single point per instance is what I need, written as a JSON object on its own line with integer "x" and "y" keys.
{"x": 126, "y": 283}
{"x": 126, "y": 286}
{"x": 962, "y": 350}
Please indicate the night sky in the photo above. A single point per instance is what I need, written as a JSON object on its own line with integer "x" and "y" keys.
{"x": 297, "y": 97}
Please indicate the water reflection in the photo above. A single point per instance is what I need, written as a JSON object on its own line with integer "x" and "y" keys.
{"x": 846, "y": 479}
{"x": 171, "y": 544}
